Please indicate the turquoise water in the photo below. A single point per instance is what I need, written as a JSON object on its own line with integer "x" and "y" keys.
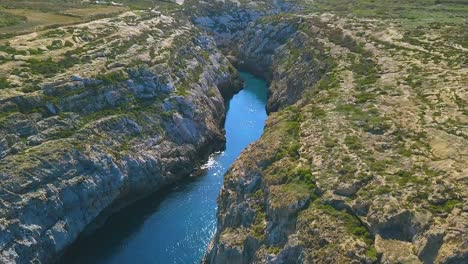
{"x": 176, "y": 226}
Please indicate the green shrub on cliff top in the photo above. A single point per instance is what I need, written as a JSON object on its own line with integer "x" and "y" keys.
{"x": 112, "y": 77}
{"x": 353, "y": 142}
{"x": 4, "y": 83}
{"x": 10, "y": 50}
{"x": 352, "y": 223}
{"x": 445, "y": 207}
{"x": 290, "y": 125}
{"x": 46, "y": 67}
{"x": 258, "y": 227}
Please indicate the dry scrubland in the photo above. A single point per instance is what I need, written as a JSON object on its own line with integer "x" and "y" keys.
{"x": 369, "y": 165}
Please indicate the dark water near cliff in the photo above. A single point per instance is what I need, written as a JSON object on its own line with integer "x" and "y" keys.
{"x": 176, "y": 226}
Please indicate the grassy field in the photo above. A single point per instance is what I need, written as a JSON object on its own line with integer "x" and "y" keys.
{"x": 20, "y": 17}
{"x": 447, "y": 18}
{"x": 422, "y": 11}
{"x": 35, "y": 20}
{"x": 94, "y": 11}
{"x": 8, "y": 19}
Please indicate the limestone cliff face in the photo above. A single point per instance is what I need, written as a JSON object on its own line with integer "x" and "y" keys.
{"x": 346, "y": 171}
{"x": 252, "y": 42}
{"x": 126, "y": 106}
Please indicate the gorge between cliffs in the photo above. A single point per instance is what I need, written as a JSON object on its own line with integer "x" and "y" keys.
{"x": 177, "y": 227}
{"x": 127, "y": 136}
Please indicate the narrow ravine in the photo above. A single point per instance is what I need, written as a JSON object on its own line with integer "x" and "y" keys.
{"x": 176, "y": 226}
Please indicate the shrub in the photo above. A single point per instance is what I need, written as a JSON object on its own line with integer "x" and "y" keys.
{"x": 4, "y": 83}
{"x": 35, "y": 51}
{"x": 45, "y": 67}
{"x": 54, "y": 33}
{"x": 56, "y": 44}
{"x": 353, "y": 142}
{"x": 445, "y": 207}
{"x": 112, "y": 77}
{"x": 372, "y": 253}
{"x": 10, "y": 50}
{"x": 68, "y": 44}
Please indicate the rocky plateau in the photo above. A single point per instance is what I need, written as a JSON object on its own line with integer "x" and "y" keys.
{"x": 363, "y": 158}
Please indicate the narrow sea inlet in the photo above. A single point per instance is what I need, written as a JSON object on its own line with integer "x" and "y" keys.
{"x": 177, "y": 226}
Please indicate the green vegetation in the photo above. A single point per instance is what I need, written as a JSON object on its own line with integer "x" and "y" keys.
{"x": 29, "y": 88}
{"x": 416, "y": 12}
{"x": 353, "y": 142}
{"x": 289, "y": 126}
{"x": 370, "y": 120}
{"x": 10, "y": 50}
{"x": 445, "y": 207}
{"x": 212, "y": 92}
{"x": 286, "y": 172}
{"x": 35, "y": 51}
{"x": 403, "y": 177}
{"x": 46, "y": 67}
{"x": 353, "y": 224}
{"x": 18, "y": 16}
{"x": 54, "y": 33}
{"x": 317, "y": 112}
{"x": 372, "y": 253}
{"x": 112, "y": 77}
{"x": 4, "y": 83}
{"x": 68, "y": 44}
{"x": 273, "y": 250}
{"x": 7, "y": 19}
{"x": 49, "y": 67}
{"x": 258, "y": 227}
{"x": 56, "y": 44}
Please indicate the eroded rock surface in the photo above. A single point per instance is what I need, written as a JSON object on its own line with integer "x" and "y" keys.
{"x": 97, "y": 115}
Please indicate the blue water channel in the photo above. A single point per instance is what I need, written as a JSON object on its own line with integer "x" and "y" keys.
{"x": 177, "y": 225}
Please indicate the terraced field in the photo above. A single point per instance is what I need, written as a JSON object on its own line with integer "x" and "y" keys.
{"x": 17, "y": 18}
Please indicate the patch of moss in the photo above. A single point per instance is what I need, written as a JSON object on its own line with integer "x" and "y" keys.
{"x": 4, "y": 83}
{"x": 11, "y": 50}
{"x": 273, "y": 250}
{"x": 352, "y": 223}
{"x": 258, "y": 194}
{"x": 353, "y": 142}
{"x": 258, "y": 227}
{"x": 371, "y": 252}
{"x": 445, "y": 207}
{"x": 112, "y": 77}
{"x": 56, "y": 44}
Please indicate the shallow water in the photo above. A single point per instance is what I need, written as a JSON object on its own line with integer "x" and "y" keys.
{"x": 176, "y": 226}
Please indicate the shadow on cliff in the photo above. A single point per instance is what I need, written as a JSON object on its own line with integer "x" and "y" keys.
{"x": 121, "y": 225}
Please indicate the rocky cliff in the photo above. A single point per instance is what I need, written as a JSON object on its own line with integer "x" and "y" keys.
{"x": 363, "y": 158}
{"x": 96, "y": 115}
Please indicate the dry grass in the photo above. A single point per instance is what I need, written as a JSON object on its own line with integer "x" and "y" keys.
{"x": 95, "y": 11}
{"x": 38, "y": 20}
